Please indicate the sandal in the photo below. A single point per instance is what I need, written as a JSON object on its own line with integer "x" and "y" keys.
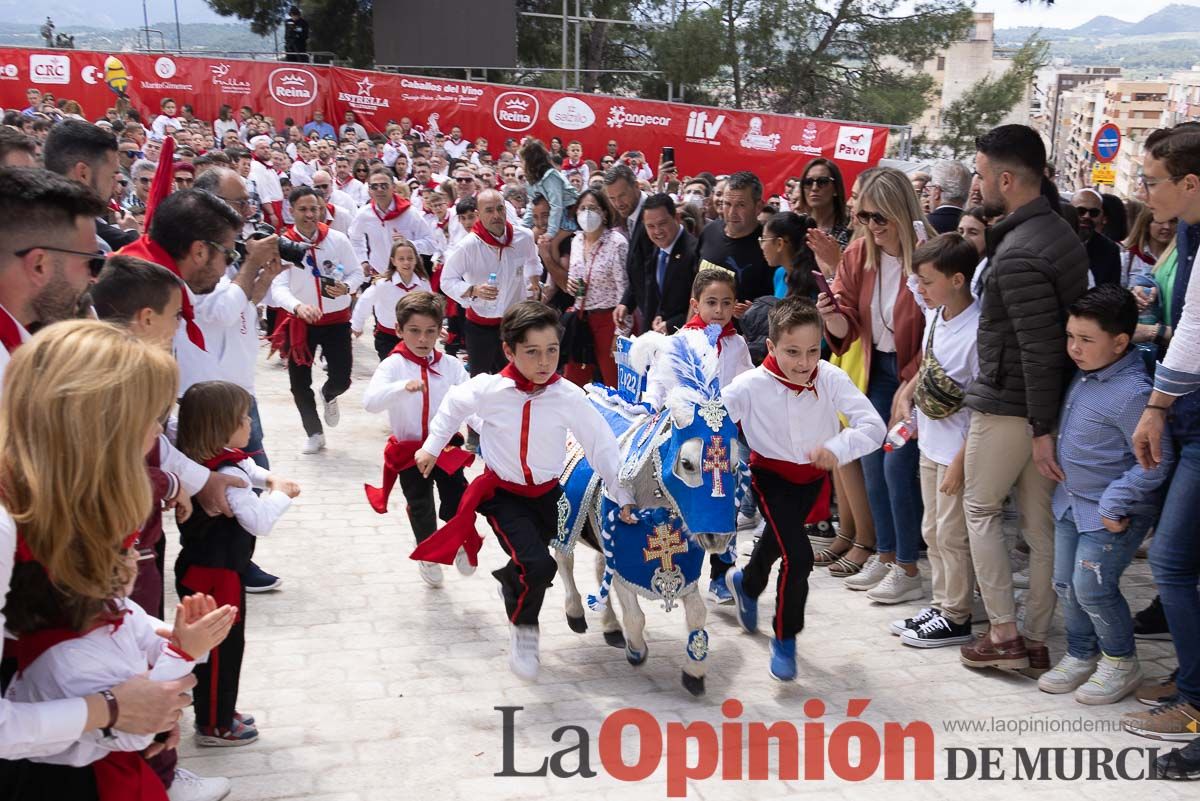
{"x": 828, "y": 556}
{"x": 844, "y": 568}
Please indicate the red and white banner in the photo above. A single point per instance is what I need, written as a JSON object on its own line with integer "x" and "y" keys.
{"x": 773, "y": 146}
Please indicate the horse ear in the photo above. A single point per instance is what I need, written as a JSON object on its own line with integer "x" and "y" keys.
{"x": 646, "y": 349}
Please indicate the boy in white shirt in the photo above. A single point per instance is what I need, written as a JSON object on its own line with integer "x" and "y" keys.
{"x": 788, "y": 409}
{"x": 950, "y": 362}
{"x": 410, "y": 385}
{"x": 526, "y": 413}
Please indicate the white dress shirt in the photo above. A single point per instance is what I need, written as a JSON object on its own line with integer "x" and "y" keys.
{"x": 297, "y": 285}
{"x": 523, "y": 436}
{"x": 5, "y": 357}
{"x": 344, "y": 200}
{"x": 257, "y": 514}
{"x": 100, "y": 660}
{"x": 387, "y": 393}
{"x": 229, "y": 322}
{"x": 266, "y": 182}
{"x": 340, "y": 219}
{"x": 380, "y": 299}
{"x": 780, "y": 424}
{"x": 472, "y": 260}
{"x": 372, "y": 237}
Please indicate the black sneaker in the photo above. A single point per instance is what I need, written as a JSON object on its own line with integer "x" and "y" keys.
{"x": 256, "y": 579}
{"x": 898, "y": 627}
{"x": 1151, "y": 622}
{"x": 1181, "y": 764}
{"x": 936, "y": 632}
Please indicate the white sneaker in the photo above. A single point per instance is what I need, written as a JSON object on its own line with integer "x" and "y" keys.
{"x": 1069, "y": 673}
{"x": 873, "y": 572}
{"x": 431, "y": 573}
{"x": 897, "y": 587}
{"x": 463, "y": 563}
{"x": 1113, "y": 680}
{"x": 523, "y": 656}
{"x": 190, "y": 787}
{"x": 332, "y": 414}
{"x": 1021, "y": 579}
{"x": 314, "y": 444}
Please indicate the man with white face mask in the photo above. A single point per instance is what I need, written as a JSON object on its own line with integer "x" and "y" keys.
{"x": 696, "y": 193}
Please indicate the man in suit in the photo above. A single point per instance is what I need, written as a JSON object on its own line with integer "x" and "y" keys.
{"x": 621, "y": 189}
{"x": 670, "y": 267}
{"x": 949, "y": 184}
{"x": 1104, "y": 255}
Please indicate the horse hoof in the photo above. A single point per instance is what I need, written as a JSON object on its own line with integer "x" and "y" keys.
{"x": 577, "y": 624}
{"x": 635, "y": 657}
{"x": 614, "y": 638}
{"x": 693, "y": 684}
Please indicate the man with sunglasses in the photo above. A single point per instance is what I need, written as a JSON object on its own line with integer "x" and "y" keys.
{"x": 1104, "y": 256}
{"x": 386, "y": 216}
{"x": 340, "y": 208}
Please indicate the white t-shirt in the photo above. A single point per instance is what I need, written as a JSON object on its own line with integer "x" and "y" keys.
{"x": 954, "y": 347}
{"x": 883, "y": 303}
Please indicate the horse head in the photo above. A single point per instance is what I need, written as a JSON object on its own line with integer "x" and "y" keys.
{"x": 692, "y": 454}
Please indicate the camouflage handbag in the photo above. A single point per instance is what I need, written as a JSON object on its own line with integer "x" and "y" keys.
{"x": 937, "y": 395}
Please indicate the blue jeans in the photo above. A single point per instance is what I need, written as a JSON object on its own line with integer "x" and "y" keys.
{"x": 256, "y": 437}
{"x": 1087, "y": 577}
{"x": 1175, "y": 563}
{"x": 893, "y": 479}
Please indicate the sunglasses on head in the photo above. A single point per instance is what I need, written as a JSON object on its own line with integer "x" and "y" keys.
{"x": 820, "y": 183}
{"x": 1083, "y": 211}
{"x": 868, "y": 217}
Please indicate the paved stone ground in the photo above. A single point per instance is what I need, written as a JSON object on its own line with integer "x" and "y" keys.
{"x": 368, "y": 685}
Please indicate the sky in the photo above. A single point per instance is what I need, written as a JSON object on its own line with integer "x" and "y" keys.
{"x": 1069, "y": 13}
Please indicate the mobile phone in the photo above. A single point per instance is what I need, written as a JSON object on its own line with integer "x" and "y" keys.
{"x": 668, "y": 154}
{"x": 327, "y": 283}
{"x": 823, "y": 286}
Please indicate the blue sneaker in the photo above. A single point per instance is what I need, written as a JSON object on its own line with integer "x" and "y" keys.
{"x": 256, "y": 579}
{"x": 783, "y": 659}
{"x": 747, "y": 607}
{"x": 719, "y": 593}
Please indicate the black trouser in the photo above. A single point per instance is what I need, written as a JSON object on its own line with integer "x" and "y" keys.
{"x": 22, "y": 780}
{"x": 418, "y": 492}
{"x": 785, "y": 506}
{"x": 334, "y": 341}
{"x": 216, "y": 692}
{"x": 484, "y": 354}
{"x": 385, "y": 343}
{"x": 524, "y": 527}
{"x": 271, "y": 318}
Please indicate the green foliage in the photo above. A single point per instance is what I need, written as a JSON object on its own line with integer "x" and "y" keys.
{"x": 341, "y": 27}
{"x": 986, "y": 103}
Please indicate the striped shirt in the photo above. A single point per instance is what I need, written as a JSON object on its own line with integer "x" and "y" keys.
{"x": 1095, "y": 447}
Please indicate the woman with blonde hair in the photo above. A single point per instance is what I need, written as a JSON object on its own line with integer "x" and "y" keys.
{"x": 872, "y": 301}
{"x": 1148, "y": 240}
{"x": 82, "y": 404}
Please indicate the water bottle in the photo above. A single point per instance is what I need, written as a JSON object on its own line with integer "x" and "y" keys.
{"x": 339, "y": 273}
{"x": 901, "y": 433}
{"x": 493, "y": 282}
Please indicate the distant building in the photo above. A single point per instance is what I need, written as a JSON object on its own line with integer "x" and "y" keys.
{"x": 1183, "y": 98}
{"x": 959, "y": 67}
{"x": 1051, "y": 119}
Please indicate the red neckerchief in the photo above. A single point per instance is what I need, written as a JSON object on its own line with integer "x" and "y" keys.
{"x": 444, "y": 224}
{"x": 1143, "y": 255}
{"x": 265, "y": 162}
{"x": 523, "y": 383}
{"x": 10, "y": 331}
{"x": 431, "y": 184}
{"x": 146, "y": 248}
{"x": 342, "y": 183}
{"x": 727, "y": 330}
{"x": 227, "y": 456}
{"x": 426, "y": 364}
{"x": 772, "y": 367}
{"x": 399, "y": 206}
{"x": 569, "y": 164}
{"x": 487, "y": 237}
{"x": 406, "y": 287}
{"x": 332, "y": 210}
{"x": 32, "y": 644}
{"x": 322, "y": 231}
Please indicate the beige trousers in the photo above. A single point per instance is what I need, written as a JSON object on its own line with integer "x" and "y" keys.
{"x": 944, "y": 528}
{"x": 999, "y": 457}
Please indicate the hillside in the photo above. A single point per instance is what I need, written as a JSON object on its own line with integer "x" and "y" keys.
{"x": 202, "y": 37}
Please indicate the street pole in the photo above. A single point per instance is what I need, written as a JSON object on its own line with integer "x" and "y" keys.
{"x": 146, "y": 23}
{"x": 564, "y": 46}
{"x": 578, "y": 25}
{"x": 178, "y": 30}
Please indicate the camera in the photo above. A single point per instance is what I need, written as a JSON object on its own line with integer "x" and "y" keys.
{"x": 288, "y": 250}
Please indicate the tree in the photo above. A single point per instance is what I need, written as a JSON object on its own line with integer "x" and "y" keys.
{"x": 985, "y": 104}
{"x": 341, "y": 27}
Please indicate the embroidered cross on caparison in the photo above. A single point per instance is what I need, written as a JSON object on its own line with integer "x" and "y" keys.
{"x": 716, "y": 459}
{"x": 664, "y": 544}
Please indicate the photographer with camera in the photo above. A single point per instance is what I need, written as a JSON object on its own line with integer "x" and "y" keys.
{"x": 314, "y": 295}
